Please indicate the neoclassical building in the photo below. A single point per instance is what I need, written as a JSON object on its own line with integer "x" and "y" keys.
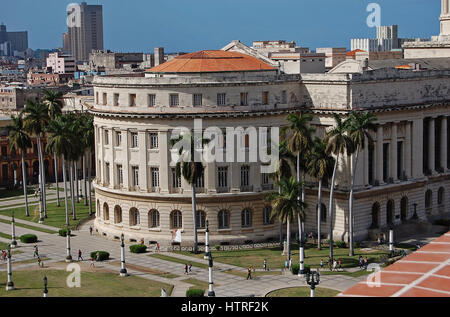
{"x": 406, "y": 172}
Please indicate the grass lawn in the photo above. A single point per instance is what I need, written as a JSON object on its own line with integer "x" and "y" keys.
{"x": 177, "y": 260}
{"x": 56, "y": 215}
{"x": 351, "y": 274}
{"x": 255, "y": 257}
{"x": 146, "y": 270}
{"x": 93, "y": 284}
{"x": 14, "y": 192}
{"x": 303, "y": 292}
{"x": 197, "y": 284}
{"x": 18, "y": 224}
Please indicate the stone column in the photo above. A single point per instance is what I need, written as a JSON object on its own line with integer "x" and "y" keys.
{"x": 431, "y": 146}
{"x": 100, "y": 162}
{"x": 417, "y": 146}
{"x": 407, "y": 150}
{"x": 126, "y": 160}
{"x": 444, "y": 143}
{"x": 393, "y": 149}
{"x": 210, "y": 178}
{"x": 112, "y": 167}
{"x": 143, "y": 168}
{"x": 365, "y": 162}
{"x": 379, "y": 154}
{"x": 164, "y": 159}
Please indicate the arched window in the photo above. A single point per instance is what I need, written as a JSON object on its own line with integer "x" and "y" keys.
{"x": 246, "y": 218}
{"x": 375, "y": 216}
{"x": 224, "y": 219}
{"x": 153, "y": 218}
{"x": 404, "y": 208}
{"x": 176, "y": 219}
{"x": 323, "y": 213}
{"x": 267, "y": 212}
{"x": 134, "y": 217}
{"x": 440, "y": 199}
{"x": 201, "y": 219}
{"x": 390, "y": 212}
{"x": 428, "y": 199}
{"x": 117, "y": 214}
{"x": 105, "y": 211}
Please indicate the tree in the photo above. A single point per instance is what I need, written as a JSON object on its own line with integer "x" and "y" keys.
{"x": 53, "y": 100}
{"x": 299, "y": 141}
{"x": 35, "y": 121}
{"x": 20, "y": 140}
{"x": 74, "y": 153}
{"x": 320, "y": 166}
{"x": 338, "y": 142}
{"x": 88, "y": 140}
{"x": 190, "y": 169}
{"x": 285, "y": 203}
{"x": 358, "y": 126}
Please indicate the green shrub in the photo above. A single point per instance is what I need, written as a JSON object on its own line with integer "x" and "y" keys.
{"x": 101, "y": 256}
{"x": 29, "y": 238}
{"x": 62, "y": 232}
{"x": 340, "y": 244}
{"x": 217, "y": 247}
{"x": 138, "y": 248}
{"x": 194, "y": 292}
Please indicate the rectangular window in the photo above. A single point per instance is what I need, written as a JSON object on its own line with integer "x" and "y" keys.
{"x": 245, "y": 173}
{"x": 106, "y": 137}
{"x": 105, "y": 99}
{"x": 221, "y": 99}
{"x": 120, "y": 175}
{"x": 151, "y": 100}
{"x": 135, "y": 173}
{"x": 265, "y": 98}
{"x": 283, "y": 97}
{"x": 134, "y": 140}
{"x": 154, "y": 171}
{"x": 176, "y": 181}
{"x": 197, "y": 100}
{"x": 96, "y": 98}
{"x": 118, "y": 138}
{"x": 244, "y": 99}
{"x": 222, "y": 173}
{"x": 200, "y": 182}
{"x": 153, "y": 140}
{"x": 132, "y": 100}
{"x": 116, "y": 100}
{"x": 265, "y": 178}
{"x": 174, "y": 101}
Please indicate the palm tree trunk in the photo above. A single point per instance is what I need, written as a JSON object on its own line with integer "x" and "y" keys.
{"x": 332, "y": 206}
{"x": 72, "y": 194}
{"x": 41, "y": 173}
{"x": 56, "y": 180}
{"x": 281, "y": 222}
{"x": 89, "y": 183}
{"x": 66, "y": 205}
{"x": 350, "y": 207}
{"x": 288, "y": 237}
{"x": 84, "y": 180}
{"x": 300, "y": 231}
{"x": 319, "y": 215}
{"x": 194, "y": 212}
{"x": 75, "y": 171}
{"x": 24, "y": 181}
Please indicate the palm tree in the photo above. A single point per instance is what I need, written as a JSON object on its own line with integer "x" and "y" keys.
{"x": 299, "y": 142}
{"x": 320, "y": 166}
{"x": 338, "y": 142}
{"x": 35, "y": 122}
{"x": 190, "y": 170}
{"x": 88, "y": 140}
{"x": 19, "y": 139}
{"x": 358, "y": 125}
{"x": 285, "y": 204}
{"x": 53, "y": 100}
{"x": 74, "y": 153}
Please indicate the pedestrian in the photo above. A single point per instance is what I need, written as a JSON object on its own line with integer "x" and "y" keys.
{"x": 334, "y": 265}
{"x": 330, "y": 264}
{"x": 361, "y": 262}
{"x": 157, "y": 244}
{"x": 186, "y": 269}
{"x": 79, "y": 255}
{"x": 92, "y": 262}
{"x": 339, "y": 265}
{"x": 190, "y": 267}
{"x": 3, "y": 255}
{"x": 97, "y": 256}
{"x": 39, "y": 261}
{"x": 265, "y": 265}
{"x": 36, "y": 251}
{"x": 366, "y": 263}
{"x": 90, "y": 230}
{"x": 142, "y": 241}
{"x": 321, "y": 264}
{"x": 290, "y": 264}
{"x": 249, "y": 274}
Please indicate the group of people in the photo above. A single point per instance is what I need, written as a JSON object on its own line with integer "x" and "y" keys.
{"x": 333, "y": 264}
{"x": 187, "y": 268}
{"x": 380, "y": 238}
{"x": 363, "y": 262}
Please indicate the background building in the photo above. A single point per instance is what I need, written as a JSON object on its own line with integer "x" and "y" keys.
{"x": 18, "y": 41}
{"x": 59, "y": 63}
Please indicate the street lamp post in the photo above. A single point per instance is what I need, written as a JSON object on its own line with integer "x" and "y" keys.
{"x": 9, "y": 284}
{"x": 68, "y": 255}
{"x": 208, "y": 254}
{"x": 312, "y": 279}
{"x": 13, "y": 231}
{"x": 41, "y": 214}
{"x": 123, "y": 270}
{"x": 45, "y": 287}
{"x": 391, "y": 242}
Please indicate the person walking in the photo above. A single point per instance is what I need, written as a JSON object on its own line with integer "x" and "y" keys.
{"x": 36, "y": 252}
{"x": 366, "y": 263}
{"x": 265, "y": 265}
{"x": 157, "y": 245}
{"x": 330, "y": 264}
{"x": 92, "y": 262}
{"x": 90, "y": 230}
{"x": 321, "y": 264}
{"x": 3, "y": 255}
{"x": 361, "y": 262}
{"x": 186, "y": 269}
{"x": 79, "y": 255}
{"x": 249, "y": 274}
{"x": 190, "y": 267}
{"x": 39, "y": 261}
{"x": 340, "y": 265}
{"x": 334, "y": 265}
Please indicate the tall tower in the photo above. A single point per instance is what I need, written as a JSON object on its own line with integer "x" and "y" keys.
{"x": 445, "y": 20}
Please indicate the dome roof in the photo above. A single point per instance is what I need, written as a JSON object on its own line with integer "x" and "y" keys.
{"x": 211, "y": 61}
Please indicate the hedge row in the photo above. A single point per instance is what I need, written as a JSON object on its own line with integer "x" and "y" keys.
{"x": 100, "y": 255}
{"x": 138, "y": 248}
{"x": 28, "y": 238}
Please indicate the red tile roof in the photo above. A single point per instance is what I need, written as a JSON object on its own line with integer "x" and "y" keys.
{"x": 211, "y": 61}
{"x": 353, "y": 53}
{"x": 424, "y": 273}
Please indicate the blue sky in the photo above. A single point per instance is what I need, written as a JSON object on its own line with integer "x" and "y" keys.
{"x": 190, "y": 25}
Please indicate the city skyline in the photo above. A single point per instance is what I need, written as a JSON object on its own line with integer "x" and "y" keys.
{"x": 171, "y": 24}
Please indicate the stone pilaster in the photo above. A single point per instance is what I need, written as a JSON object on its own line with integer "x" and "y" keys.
{"x": 417, "y": 146}
{"x": 431, "y": 146}
{"x": 143, "y": 166}
{"x": 407, "y": 150}
{"x": 126, "y": 169}
{"x": 443, "y": 145}
{"x": 393, "y": 149}
{"x": 379, "y": 154}
{"x": 165, "y": 159}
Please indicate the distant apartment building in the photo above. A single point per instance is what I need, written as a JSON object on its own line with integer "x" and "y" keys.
{"x": 59, "y": 63}
{"x": 14, "y": 98}
{"x": 158, "y": 56}
{"x": 268, "y": 47}
{"x": 333, "y": 55}
{"x": 108, "y": 60}
{"x": 48, "y": 79}
{"x": 298, "y": 63}
{"x": 86, "y": 33}
{"x": 11, "y": 42}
